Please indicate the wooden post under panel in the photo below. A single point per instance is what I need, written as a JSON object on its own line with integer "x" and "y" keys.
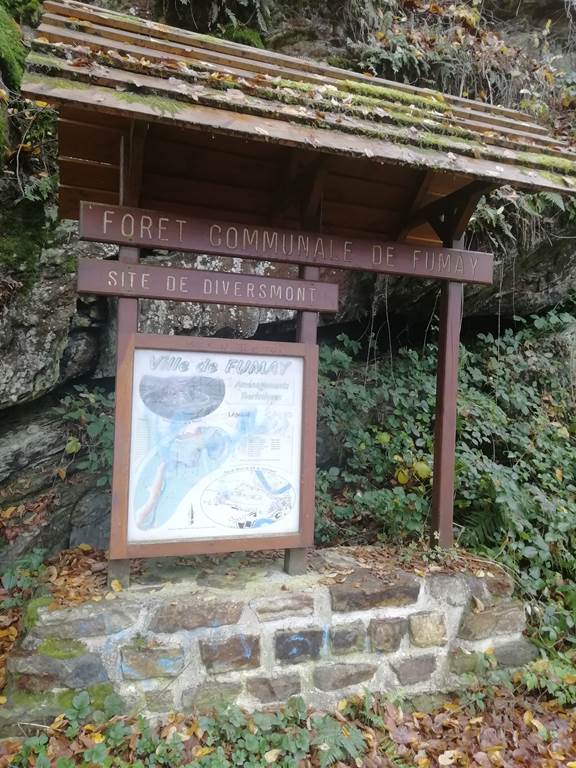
{"x": 306, "y": 333}
{"x": 307, "y": 330}
{"x": 131, "y": 165}
{"x": 451, "y": 302}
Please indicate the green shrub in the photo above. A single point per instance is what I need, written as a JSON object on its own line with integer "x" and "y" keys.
{"x": 515, "y": 494}
{"x": 90, "y": 444}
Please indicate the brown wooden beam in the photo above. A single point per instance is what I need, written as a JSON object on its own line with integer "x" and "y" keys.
{"x": 298, "y": 183}
{"x": 450, "y": 215}
{"x": 131, "y": 172}
{"x": 426, "y": 180}
{"x": 307, "y": 330}
{"x": 451, "y": 302}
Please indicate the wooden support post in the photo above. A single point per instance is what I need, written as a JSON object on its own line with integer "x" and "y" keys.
{"x": 306, "y": 333}
{"x": 307, "y": 325}
{"x": 446, "y": 409}
{"x": 131, "y": 165}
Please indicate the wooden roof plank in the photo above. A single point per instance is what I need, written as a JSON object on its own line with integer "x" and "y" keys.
{"x": 180, "y": 92}
{"x": 289, "y": 134}
{"x": 88, "y": 142}
{"x": 162, "y": 31}
{"x": 101, "y": 176}
{"x": 136, "y": 45}
{"x": 203, "y": 93}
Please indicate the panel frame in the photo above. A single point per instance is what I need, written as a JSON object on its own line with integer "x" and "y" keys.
{"x": 120, "y": 547}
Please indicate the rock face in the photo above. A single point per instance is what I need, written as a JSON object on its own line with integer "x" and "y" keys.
{"x": 47, "y": 335}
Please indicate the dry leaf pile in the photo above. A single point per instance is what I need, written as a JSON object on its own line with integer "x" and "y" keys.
{"x": 72, "y": 577}
{"x": 511, "y": 733}
{"x": 9, "y": 628}
{"x": 76, "y": 575}
{"x": 20, "y": 519}
{"x": 422, "y": 560}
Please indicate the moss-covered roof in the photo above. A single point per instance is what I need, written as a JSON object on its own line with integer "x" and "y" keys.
{"x": 119, "y": 64}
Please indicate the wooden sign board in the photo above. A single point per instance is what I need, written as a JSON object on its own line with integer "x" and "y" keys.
{"x": 216, "y": 446}
{"x": 155, "y": 229}
{"x": 113, "y": 278}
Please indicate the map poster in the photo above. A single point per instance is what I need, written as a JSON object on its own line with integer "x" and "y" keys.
{"x": 215, "y": 444}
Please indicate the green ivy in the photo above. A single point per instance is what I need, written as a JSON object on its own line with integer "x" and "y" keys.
{"x": 515, "y": 494}
{"x": 90, "y": 444}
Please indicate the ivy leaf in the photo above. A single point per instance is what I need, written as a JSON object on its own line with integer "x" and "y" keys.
{"x": 72, "y": 446}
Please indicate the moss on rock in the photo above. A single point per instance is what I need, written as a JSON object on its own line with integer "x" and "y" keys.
{"x": 243, "y": 35}
{"x": 23, "y": 238}
{"x": 56, "y": 701}
{"x": 12, "y": 50}
{"x": 98, "y": 694}
{"x": 24, "y": 11}
{"x": 32, "y": 608}
{"x": 56, "y": 648}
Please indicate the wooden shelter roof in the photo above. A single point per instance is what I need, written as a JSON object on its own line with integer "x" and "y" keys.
{"x": 233, "y": 128}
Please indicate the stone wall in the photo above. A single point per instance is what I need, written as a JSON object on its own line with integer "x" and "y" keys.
{"x": 253, "y": 635}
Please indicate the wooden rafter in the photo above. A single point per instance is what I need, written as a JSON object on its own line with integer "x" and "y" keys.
{"x": 450, "y": 215}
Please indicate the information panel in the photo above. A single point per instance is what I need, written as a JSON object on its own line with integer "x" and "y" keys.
{"x": 217, "y": 444}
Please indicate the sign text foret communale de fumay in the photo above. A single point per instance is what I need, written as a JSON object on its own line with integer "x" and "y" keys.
{"x": 154, "y": 229}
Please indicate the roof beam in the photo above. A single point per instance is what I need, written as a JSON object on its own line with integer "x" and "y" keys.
{"x": 301, "y": 186}
{"x": 132, "y": 162}
{"x": 449, "y": 215}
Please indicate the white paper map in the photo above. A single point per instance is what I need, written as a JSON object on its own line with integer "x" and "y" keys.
{"x": 216, "y": 445}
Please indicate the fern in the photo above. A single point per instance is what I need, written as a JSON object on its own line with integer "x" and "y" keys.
{"x": 388, "y": 748}
{"x": 554, "y": 200}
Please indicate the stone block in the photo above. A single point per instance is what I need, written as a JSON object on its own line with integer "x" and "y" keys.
{"x": 34, "y": 683}
{"x": 159, "y": 701}
{"x": 516, "y": 653}
{"x": 283, "y": 606}
{"x": 414, "y": 670}
{"x": 386, "y": 634}
{"x": 332, "y": 677}
{"x": 499, "y": 585}
{"x": 299, "y": 646}
{"x": 149, "y": 662}
{"x": 77, "y": 671}
{"x": 500, "y": 619}
{"x": 450, "y": 589}
{"x": 191, "y": 614}
{"x": 89, "y": 620}
{"x": 269, "y": 689}
{"x": 427, "y": 629}
{"x": 210, "y": 695}
{"x": 464, "y": 662}
{"x": 362, "y": 591}
{"x": 238, "y": 652}
{"x": 348, "y": 638}
{"x": 33, "y": 708}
